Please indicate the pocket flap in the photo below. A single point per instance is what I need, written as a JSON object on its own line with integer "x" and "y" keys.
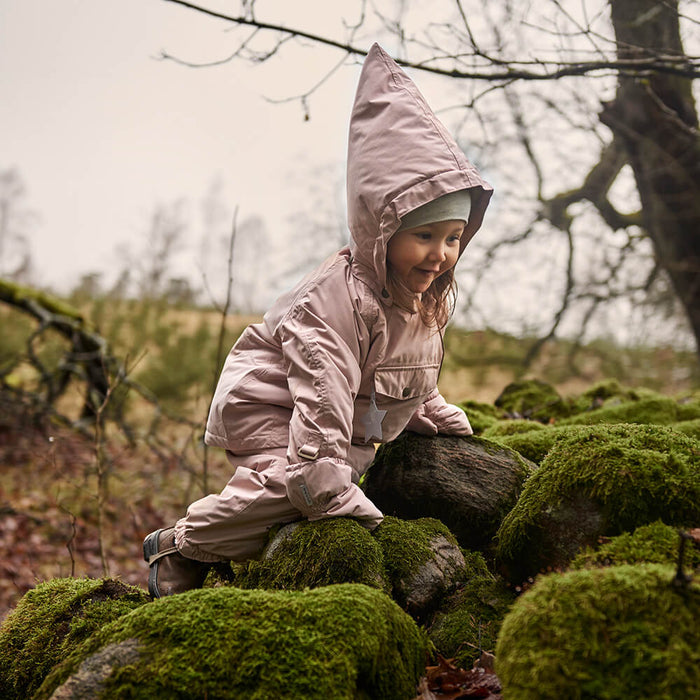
{"x": 406, "y": 382}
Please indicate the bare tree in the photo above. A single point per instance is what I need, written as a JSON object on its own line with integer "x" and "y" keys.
{"x": 15, "y": 220}
{"x": 150, "y": 266}
{"x": 583, "y": 115}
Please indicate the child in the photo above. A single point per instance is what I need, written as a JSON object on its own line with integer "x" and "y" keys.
{"x": 351, "y": 355}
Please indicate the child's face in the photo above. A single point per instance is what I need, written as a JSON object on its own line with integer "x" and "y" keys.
{"x": 420, "y": 255}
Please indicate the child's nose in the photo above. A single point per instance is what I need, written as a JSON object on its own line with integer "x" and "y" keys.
{"x": 438, "y": 251}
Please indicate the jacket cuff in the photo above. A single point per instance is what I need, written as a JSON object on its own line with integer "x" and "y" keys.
{"x": 311, "y": 485}
{"x": 324, "y": 489}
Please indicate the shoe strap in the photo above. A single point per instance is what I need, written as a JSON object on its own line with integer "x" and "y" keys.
{"x": 159, "y": 555}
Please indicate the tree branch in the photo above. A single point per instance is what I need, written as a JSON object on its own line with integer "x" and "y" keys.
{"x": 595, "y": 189}
{"x": 686, "y": 66}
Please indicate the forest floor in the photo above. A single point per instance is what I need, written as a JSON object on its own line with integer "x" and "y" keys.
{"x": 49, "y": 513}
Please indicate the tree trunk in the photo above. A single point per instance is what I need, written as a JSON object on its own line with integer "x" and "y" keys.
{"x": 655, "y": 119}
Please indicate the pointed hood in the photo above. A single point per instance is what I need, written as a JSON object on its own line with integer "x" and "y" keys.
{"x": 400, "y": 157}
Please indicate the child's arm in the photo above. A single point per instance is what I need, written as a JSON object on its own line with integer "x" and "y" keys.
{"x": 435, "y": 416}
{"x": 321, "y": 348}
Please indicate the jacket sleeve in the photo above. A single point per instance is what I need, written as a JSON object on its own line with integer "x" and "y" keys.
{"x": 435, "y": 416}
{"x": 321, "y": 352}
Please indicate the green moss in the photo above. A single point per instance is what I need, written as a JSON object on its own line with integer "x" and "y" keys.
{"x": 605, "y": 480}
{"x": 602, "y": 634}
{"x": 688, "y": 427}
{"x": 335, "y": 550}
{"x": 532, "y": 398}
{"x": 658, "y": 410}
{"x": 50, "y": 621}
{"x": 601, "y": 392}
{"x": 340, "y": 550}
{"x": 470, "y": 621}
{"x": 511, "y": 427}
{"x": 405, "y": 545}
{"x": 688, "y": 410}
{"x": 535, "y": 444}
{"x": 342, "y": 642}
{"x": 655, "y": 543}
{"x": 19, "y": 295}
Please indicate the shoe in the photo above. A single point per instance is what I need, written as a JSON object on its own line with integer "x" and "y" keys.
{"x": 170, "y": 572}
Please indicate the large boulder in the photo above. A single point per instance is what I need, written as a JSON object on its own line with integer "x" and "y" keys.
{"x": 599, "y": 481}
{"x": 344, "y": 642}
{"x": 532, "y": 399}
{"x": 617, "y": 632}
{"x": 417, "y": 562}
{"x": 469, "y": 484}
{"x": 50, "y": 621}
{"x": 308, "y": 554}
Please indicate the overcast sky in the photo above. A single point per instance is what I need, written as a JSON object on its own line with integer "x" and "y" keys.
{"x": 102, "y": 131}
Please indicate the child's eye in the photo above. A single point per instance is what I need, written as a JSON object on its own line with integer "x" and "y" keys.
{"x": 423, "y": 235}
{"x": 453, "y": 239}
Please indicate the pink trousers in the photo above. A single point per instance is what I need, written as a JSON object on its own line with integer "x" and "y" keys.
{"x": 233, "y": 525}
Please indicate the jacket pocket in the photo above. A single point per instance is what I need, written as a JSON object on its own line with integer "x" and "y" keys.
{"x": 406, "y": 381}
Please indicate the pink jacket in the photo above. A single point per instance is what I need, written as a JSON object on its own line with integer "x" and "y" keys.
{"x": 334, "y": 366}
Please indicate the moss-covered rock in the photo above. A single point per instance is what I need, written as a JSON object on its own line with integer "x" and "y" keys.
{"x": 50, "y": 621}
{"x": 468, "y": 483}
{"x": 422, "y": 561}
{"x": 343, "y": 642}
{"x": 655, "y": 543}
{"x": 312, "y": 554}
{"x": 600, "y": 481}
{"x": 656, "y": 410}
{"x": 602, "y": 392}
{"x": 534, "y": 399}
{"x": 535, "y": 444}
{"x": 417, "y": 562}
{"x": 513, "y": 426}
{"x": 469, "y": 622}
{"x": 615, "y": 633}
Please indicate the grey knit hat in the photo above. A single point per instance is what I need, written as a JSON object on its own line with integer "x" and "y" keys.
{"x": 455, "y": 205}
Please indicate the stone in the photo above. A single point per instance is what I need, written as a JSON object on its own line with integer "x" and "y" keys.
{"x": 51, "y": 621}
{"x": 423, "y": 562}
{"x": 613, "y": 632}
{"x": 532, "y": 399}
{"x": 469, "y": 484}
{"x": 467, "y": 624}
{"x": 343, "y": 642}
{"x": 597, "y": 482}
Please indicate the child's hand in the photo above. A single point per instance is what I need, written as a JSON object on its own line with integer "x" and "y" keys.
{"x": 437, "y": 416}
{"x": 421, "y": 424}
{"x": 452, "y": 420}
